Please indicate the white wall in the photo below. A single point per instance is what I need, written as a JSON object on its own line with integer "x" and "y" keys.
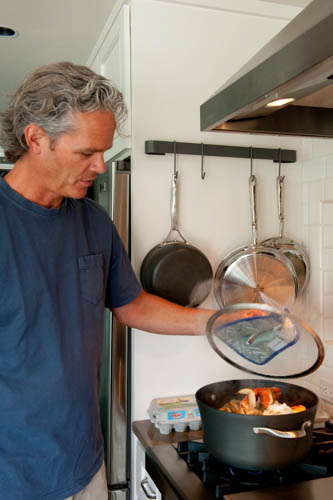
{"x": 181, "y": 54}
{"x": 2, "y": 165}
{"x": 317, "y": 220}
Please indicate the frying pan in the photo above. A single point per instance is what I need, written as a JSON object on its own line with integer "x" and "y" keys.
{"x": 255, "y": 273}
{"x": 175, "y": 269}
{"x": 288, "y": 247}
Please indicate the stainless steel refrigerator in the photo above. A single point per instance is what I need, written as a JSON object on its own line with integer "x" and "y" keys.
{"x": 112, "y": 191}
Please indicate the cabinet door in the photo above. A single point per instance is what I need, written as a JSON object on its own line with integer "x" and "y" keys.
{"x": 145, "y": 488}
{"x": 113, "y": 62}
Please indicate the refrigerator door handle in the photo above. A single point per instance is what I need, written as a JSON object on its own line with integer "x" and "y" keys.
{"x": 115, "y": 398}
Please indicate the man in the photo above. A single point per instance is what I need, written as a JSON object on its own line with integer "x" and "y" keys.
{"x": 61, "y": 263}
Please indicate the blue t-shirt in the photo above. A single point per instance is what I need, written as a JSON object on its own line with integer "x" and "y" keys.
{"x": 59, "y": 268}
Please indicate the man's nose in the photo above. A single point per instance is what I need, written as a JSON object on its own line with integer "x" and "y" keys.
{"x": 99, "y": 164}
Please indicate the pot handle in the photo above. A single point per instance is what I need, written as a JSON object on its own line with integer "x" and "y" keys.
{"x": 284, "y": 434}
{"x": 253, "y": 207}
{"x": 174, "y": 215}
{"x": 280, "y": 202}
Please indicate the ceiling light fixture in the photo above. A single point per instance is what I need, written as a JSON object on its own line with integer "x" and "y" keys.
{"x": 280, "y": 102}
{"x": 7, "y": 32}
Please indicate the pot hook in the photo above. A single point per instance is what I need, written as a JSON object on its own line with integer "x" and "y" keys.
{"x": 252, "y": 187}
{"x": 280, "y": 197}
{"x": 175, "y": 171}
{"x": 203, "y": 174}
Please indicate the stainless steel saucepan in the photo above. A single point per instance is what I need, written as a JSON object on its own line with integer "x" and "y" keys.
{"x": 255, "y": 273}
{"x": 288, "y": 247}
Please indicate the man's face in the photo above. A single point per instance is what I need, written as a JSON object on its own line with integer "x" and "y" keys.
{"x": 71, "y": 164}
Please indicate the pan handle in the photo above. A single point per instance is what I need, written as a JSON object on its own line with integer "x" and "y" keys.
{"x": 280, "y": 201}
{"x": 174, "y": 213}
{"x": 284, "y": 434}
{"x": 253, "y": 207}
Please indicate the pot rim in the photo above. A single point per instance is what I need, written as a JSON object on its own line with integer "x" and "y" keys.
{"x": 263, "y": 418}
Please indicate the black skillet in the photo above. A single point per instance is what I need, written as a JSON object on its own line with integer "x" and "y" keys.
{"x": 175, "y": 269}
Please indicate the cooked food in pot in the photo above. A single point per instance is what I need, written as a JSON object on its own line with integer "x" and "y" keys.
{"x": 260, "y": 401}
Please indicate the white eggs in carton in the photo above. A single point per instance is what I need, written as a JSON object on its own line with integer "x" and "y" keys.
{"x": 177, "y": 412}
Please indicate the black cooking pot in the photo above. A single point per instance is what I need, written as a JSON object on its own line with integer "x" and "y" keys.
{"x": 256, "y": 442}
{"x": 174, "y": 269}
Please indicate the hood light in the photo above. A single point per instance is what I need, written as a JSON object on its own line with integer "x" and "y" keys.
{"x": 7, "y": 32}
{"x": 280, "y": 102}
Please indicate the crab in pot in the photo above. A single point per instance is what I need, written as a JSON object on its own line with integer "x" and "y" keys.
{"x": 260, "y": 401}
{"x": 258, "y": 398}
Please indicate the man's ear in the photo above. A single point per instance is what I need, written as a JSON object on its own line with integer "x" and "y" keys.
{"x": 35, "y": 137}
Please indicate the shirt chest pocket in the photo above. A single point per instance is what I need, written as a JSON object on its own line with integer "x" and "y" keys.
{"x": 91, "y": 277}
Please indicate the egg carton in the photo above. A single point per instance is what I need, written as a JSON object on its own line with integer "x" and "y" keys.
{"x": 175, "y": 413}
{"x": 321, "y": 418}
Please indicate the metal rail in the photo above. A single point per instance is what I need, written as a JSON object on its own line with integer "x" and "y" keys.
{"x": 153, "y": 147}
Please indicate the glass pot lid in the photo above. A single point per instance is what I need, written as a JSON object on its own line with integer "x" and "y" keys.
{"x": 264, "y": 340}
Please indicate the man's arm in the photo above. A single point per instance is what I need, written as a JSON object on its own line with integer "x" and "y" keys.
{"x": 153, "y": 314}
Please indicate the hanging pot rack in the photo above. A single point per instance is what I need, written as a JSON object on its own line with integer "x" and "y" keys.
{"x": 153, "y": 147}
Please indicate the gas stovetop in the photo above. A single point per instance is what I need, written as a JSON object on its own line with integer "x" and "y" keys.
{"x": 187, "y": 471}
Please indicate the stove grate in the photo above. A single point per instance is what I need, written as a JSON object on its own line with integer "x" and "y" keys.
{"x": 221, "y": 479}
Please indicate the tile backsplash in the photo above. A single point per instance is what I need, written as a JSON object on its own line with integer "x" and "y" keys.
{"x": 317, "y": 183}
{"x": 326, "y": 267}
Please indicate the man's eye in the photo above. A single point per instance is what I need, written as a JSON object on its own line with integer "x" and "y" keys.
{"x": 86, "y": 155}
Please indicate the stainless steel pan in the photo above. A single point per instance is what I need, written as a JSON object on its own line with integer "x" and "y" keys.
{"x": 255, "y": 273}
{"x": 288, "y": 247}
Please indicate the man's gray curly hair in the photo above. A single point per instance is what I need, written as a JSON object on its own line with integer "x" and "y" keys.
{"x": 49, "y": 96}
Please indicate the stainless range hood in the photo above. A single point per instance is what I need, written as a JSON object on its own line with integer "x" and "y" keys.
{"x": 296, "y": 64}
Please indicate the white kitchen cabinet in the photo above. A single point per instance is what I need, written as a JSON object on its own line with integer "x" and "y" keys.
{"x": 145, "y": 488}
{"x": 111, "y": 58}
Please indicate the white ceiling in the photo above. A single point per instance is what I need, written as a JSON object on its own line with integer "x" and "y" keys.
{"x": 54, "y": 30}
{"x": 48, "y": 31}
{"x": 294, "y": 3}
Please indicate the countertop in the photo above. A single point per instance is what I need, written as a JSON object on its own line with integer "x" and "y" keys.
{"x": 149, "y": 436}
{"x": 171, "y": 473}
{"x": 161, "y": 457}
